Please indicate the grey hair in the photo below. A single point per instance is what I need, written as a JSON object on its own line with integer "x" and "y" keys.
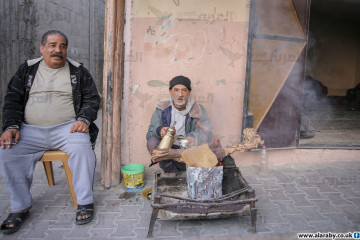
{"x": 53, "y": 32}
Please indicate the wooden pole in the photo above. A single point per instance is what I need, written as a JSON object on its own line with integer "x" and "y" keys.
{"x": 112, "y": 92}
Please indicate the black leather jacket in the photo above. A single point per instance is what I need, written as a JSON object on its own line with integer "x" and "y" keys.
{"x": 85, "y": 95}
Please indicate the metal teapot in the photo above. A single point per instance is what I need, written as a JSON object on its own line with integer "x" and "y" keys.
{"x": 169, "y": 138}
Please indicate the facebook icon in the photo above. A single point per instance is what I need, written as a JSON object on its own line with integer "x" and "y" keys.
{"x": 356, "y": 235}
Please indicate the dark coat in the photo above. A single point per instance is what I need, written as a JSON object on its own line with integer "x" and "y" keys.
{"x": 197, "y": 123}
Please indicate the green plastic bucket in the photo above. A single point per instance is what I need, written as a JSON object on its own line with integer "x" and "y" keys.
{"x": 133, "y": 174}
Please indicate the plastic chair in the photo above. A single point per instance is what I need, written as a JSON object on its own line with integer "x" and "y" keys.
{"x": 58, "y": 155}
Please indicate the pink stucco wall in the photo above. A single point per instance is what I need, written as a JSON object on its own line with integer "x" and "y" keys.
{"x": 203, "y": 40}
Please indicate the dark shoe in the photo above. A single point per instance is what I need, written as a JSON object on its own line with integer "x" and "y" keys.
{"x": 83, "y": 210}
{"x": 15, "y": 219}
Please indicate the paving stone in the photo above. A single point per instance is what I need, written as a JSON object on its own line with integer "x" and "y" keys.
{"x": 49, "y": 194}
{"x": 55, "y": 234}
{"x": 99, "y": 200}
{"x": 312, "y": 214}
{"x": 337, "y": 199}
{"x": 80, "y": 231}
{"x": 69, "y": 208}
{"x": 325, "y": 206}
{"x": 270, "y": 216}
{"x": 277, "y": 195}
{"x": 348, "y": 193}
{"x": 125, "y": 228}
{"x": 61, "y": 200}
{"x": 101, "y": 234}
{"x": 242, "y": 227}
{"x": 328, "y": 171}
{"x": 144, "y": 220}
{"x": 340, "y": 222}
{"x": 251, "y": 179}
{"x": 290, "y": 172}
{"x": 131, "y": 199}
{"x": 280, "y": 227}
{"x": 357, "y": 225}
{"x": 324, "y": 187}
{"x": 111, "y": 195}
{"x": 38, "y": 229}
{"x": 191, "y": 232}
{"x": 322, "y": 226}
{"x": 105, "y": 220}
{"x": 300, "y": 200}
{"x": 281, "y": 178}
{"x": 167, "y": 229}
{"x": 3, "y": 206}
{"x": 298, "y": 223}
{"x": 259, "y": 190}
{"x": 213, "y": 228}
{"x": 239, "y": 231}
{"x": 146, "y": 208}
{"x": 39, "y": 206}
{"x": 302, "y": 181}
{"x": 38, "y": 189}
{"x": 50, "y": 213}
{"x": 312, "y": 193}
{"x": 63, "y": 221}
{"x": 286, "y": 207}
{"x": 261, "y": 224}
{"x": 264, "y": 202}
{"x": 351, "y": 213}
{"x": 3, "y": 193}
{"x": 269, "y": 184}
{"x": 111, "y": 205}
{"x": 350, "y": 179}
{"x": 356, "y": 201}
{"x": 290, "y": 188}
{"x": 141, "y": 233}
{"x": 334, "y": 181}
{"x": 312, "y": 177}
{"x": 129, "y": 212}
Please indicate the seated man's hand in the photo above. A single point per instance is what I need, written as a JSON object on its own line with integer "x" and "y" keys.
{"x": 163, "y": 131}
{"x": 7, "y": 137}
{"x": 79, "y": 126}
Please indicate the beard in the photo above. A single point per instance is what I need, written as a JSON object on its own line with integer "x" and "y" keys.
{"x": 180, "y": 101}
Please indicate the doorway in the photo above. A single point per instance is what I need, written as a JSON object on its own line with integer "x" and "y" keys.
{"x": 330, "y": 116}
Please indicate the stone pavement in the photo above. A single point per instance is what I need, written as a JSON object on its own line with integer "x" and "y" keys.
{"x": 311, "y": 197}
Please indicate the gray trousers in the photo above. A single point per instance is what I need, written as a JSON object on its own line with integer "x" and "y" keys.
{"x": 17, "y": 164}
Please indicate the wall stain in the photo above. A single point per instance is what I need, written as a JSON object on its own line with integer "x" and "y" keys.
{"x": 221, "y": 81}
{"x": 157, "y": 83}
{"x": 233, "y": 56}
{"x": 143, "y": 97}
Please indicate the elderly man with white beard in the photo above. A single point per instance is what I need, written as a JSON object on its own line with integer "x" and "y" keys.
{"x": 187, "y": 116}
